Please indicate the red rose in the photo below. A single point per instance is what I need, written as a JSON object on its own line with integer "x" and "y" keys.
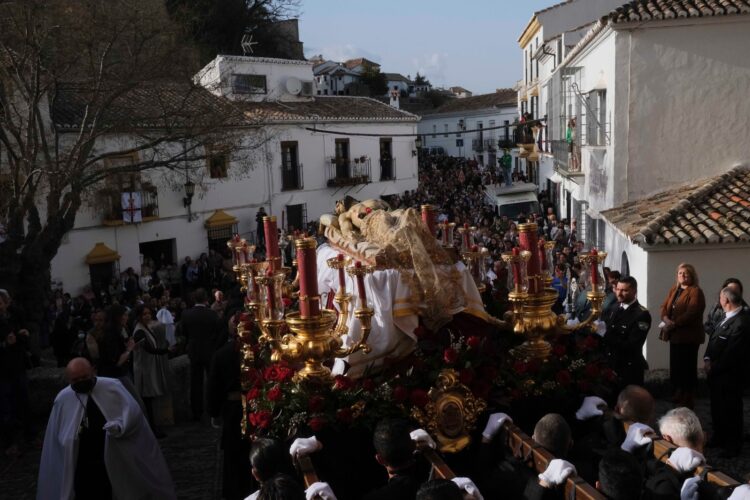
{"x": 342, "y": 383}
{"x": 489, "y": 372}
{"x": 473, "y": 342}
{"x": 466, "y": 376}
{"x": 274, "y": 394}
{"x": 450, "y": 356}
{"x": 584, "y": 386}
{"x": 520, "y": 367}
{"x": 368, "y": 385}
{"x": 609, "y": 374}
{"x": 481, "y": 388}
{"x": 420, "y": 332}
{"x": 419, "y": 398}
{"x": 285, "y": 374}
{"x": 563, "y": 377}
{"x": 592, "y": 370}
{"x": 534, "y": 365}
{"x": 317, "y": 423}
{"x": 260, "y": 419}
{"x": 400, "y": 393}
{"x": 253, "y": 393}
{"x": 344, "y": 415}
{"x": 368, "y": 210}
{"x": 559, "y": 350}
{"x": 590, "y": 343}
{"x": 315, "y": 404}
{"x": 278, "y": 373}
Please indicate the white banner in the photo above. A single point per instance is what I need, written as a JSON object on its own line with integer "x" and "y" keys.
{"x": 131, "y": 207}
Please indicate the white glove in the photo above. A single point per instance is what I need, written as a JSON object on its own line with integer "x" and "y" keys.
{"x": 637, "y": 437}
{"x": 557, "y": 472}
{"x": 591, "y": 408}
{"x": 600, "y": 327}
{"x": 689, "y": 490}
{"x": 572, "y": 322}
{"x": 113, "y": 428}
{"x": 686, "y": 459}
{"x": 494, "y": 424}
{"x": 304, "y": 446}
{"x": 319, "y": 490}
{"x": 468, "y": 486}
{"x": 216, "y": 423}
{"x": 741, "y": 492}
{"x": 420, "y": 436}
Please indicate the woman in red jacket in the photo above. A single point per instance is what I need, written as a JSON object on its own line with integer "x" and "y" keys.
{"x": 682, "y": 315}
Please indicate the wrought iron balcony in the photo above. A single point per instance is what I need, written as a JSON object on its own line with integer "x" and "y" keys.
{"x": 115, "y": 212}
{"x": 563, "y": 156}
{"x": 341, "y": 171}
{"x": 388, "y": 169}
{"x": 477, "y": 145}
{"x": 490, "y": 144}
{"x": 291, "y": 177}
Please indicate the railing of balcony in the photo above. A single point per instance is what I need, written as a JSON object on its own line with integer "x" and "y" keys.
{"x": 477, "y": 145}
{"x": 388, "y": 169}
{"x": 291, "y": 177}
{"x": 569, "y": 163}
{"x": 347, "y": 172}
{"x": 149, "y": 206}
{"x": 490, "y": 144}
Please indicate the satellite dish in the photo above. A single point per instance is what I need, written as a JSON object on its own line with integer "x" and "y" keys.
{"x": 293, "y": 85}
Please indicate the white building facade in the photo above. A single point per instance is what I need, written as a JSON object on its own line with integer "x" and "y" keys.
{"x": 471, "y": 127}
{"x": 296, "y": 170}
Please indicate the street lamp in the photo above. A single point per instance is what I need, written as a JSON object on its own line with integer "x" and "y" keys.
{"x": 417, "y": 145}
{"x": 187, "y": 201}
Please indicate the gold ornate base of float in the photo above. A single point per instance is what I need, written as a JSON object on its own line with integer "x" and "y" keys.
{"x": 538, "y": 322}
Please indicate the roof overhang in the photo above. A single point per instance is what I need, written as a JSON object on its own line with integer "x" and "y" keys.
{"x": 101, "y": 254}
{"x": 528, "y": 33}
{"x": 220, "y": 219}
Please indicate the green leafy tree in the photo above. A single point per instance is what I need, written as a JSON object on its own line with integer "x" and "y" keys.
{"x": 374, "y": 81}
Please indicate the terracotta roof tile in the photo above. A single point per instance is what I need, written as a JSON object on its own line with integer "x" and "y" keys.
{"x": 647, "y": 10}
{"x": 715, "y": 210}
{"x": 501, "y": 97}
{"x": 325, "y": 108}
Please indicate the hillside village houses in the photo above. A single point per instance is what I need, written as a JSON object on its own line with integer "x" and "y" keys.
{"x": 646, "y": 180}
{"x": 456, "y": 127}
{"x": 298, "y": 171}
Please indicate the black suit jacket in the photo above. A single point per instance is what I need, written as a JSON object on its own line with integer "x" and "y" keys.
{"x": 202, "y": 328}
{"x": 626, "y": 332}
{"x": 729, "y": 346}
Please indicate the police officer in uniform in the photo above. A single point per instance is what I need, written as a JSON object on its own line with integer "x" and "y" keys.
{"x": 627, "y": 325}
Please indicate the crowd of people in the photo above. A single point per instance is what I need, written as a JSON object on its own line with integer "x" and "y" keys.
{"x": 130, "y": 331}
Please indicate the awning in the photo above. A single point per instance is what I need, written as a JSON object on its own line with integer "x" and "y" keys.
{"x": 101, "y": 254}
{"x": 220, "y": 219}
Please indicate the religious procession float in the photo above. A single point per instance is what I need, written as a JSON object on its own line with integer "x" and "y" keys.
{"x": 386, "y": 318}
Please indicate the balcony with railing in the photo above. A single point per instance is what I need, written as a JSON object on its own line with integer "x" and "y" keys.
{"x": 490, "y": 145}
{"x": 477, "y": 145}
{"x": 388, "y": 169}
{"x": 342, "y": 171}
{"x": 567, "y": 163}
{"x": 143, "y": 206}
{"x": 291, "y": 177}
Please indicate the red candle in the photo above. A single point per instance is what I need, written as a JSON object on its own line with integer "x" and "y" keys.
{"x": 361, "y": 286}
{"x": 542, "y": 255}
{"x": 429, "y": 217}
{"x": 308, "y": 278}
{"x": 466, "y": 236}
{"x": 342, "y": 279}
{"x": 594, "y": 265}
{"x": 516, "y": 267}
{"x": 272, "y": 241}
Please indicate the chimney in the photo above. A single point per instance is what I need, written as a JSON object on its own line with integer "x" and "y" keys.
{"x": 395, "y": 94}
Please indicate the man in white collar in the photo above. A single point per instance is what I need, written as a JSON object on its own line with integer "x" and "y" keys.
{"x": 627, "y": 325}
{"x": 99, "y": 445}
{"x": 724, "y": 362}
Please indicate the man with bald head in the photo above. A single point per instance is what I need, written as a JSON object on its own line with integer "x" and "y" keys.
{"x": 98, "y": 443}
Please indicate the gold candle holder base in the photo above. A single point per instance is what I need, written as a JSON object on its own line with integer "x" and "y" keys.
{"x": 538, "y": 322}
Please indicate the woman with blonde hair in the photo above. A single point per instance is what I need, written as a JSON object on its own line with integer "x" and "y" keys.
{"x": 682, "y": 320}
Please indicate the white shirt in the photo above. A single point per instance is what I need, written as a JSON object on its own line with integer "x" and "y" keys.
{"x": 625, "y": 306}
{"x": 731, "y": 314}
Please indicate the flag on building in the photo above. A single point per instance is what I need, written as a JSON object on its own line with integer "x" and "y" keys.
{"x": 131, "y": 207}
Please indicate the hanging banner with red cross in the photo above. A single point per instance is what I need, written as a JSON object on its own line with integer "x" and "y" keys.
{"x": 131, "y": 207}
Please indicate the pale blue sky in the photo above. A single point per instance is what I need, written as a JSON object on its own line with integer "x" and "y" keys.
{"x": 471, "y": 43}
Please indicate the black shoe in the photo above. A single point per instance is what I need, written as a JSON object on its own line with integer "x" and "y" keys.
{"x": 729, "y": 453}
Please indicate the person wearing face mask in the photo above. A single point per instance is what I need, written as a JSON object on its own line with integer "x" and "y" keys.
{"x": 98, "y": 444}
